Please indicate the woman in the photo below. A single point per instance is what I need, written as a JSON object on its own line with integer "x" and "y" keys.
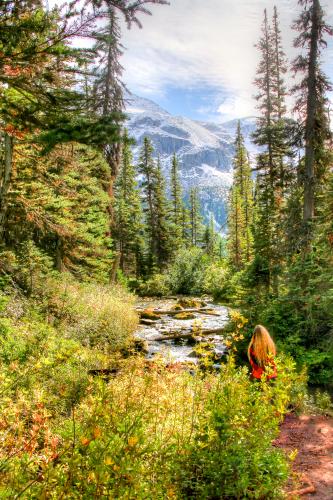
{"x": 261, "y": 354}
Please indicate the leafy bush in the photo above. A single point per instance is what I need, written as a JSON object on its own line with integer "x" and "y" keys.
{"x": 232, "y": 456}
{"x": 186, "y": 275}
{"x": 158, "y": 433}
{"x": 216, "y": 280}
{"x": 28, "y": 267}
{"x": 144, "y": 432}
{"x": 156, "y": 286}
{"x": 96, "y": 315}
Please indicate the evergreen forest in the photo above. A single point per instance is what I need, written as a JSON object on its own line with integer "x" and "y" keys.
{"x": 93, "y": 239}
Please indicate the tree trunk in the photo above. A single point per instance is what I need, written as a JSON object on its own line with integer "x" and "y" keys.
{"x": 173, "y": 335}
{"x": 59, "y": 256}
{"x": 309, "y": 173}
{"x": 5, "y": 178}
{"x": 114, "y": 268}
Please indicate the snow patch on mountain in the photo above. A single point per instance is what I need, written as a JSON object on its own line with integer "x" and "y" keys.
{"x": 204, "y": 150}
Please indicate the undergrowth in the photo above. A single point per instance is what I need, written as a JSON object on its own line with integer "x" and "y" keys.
{"x": 145, "y": 432}
{"x": 138, "y": 430}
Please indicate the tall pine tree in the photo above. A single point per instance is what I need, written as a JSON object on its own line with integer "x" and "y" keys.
{"x": 272, "y": 164}
{"x": 176, "y": 202}
{"x": 195, "y": 218}
{"x": 240, "y": 213}
{"x": 128, "y": 228}
{"x": 312, "y": 102}
{"x": 154, "y": 207}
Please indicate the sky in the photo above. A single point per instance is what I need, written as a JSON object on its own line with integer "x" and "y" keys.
{"x": 197, "y": 58}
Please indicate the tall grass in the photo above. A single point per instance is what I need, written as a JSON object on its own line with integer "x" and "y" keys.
{"x": 97, "y": 315}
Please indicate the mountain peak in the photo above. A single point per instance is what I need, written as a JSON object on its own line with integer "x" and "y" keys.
{"x": 204, "y": 150}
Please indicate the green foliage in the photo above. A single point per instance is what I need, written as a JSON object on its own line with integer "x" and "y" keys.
{"x": 155, "y": 209}
{"x": 177, "y": 207}
{"x": 217, "y": 277}
{"x": 196, "y": 227}
{"x": 96, "y": 315}
{"x": 128, "y": 227}
{"x": 28, "y": 268}
{"x": 229, "y": 459}
{"x": 156, "y": 286}
{"x": 240, "y": 213}
{"x": 61, "y": 204}
{"x": 187, "y": 272}
{"x": 143, "y": 434}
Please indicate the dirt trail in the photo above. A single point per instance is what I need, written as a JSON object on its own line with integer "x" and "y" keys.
{"x": 312, "y": 436}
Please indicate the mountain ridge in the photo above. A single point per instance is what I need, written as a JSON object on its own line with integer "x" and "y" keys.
{"x": 204, "y": 150}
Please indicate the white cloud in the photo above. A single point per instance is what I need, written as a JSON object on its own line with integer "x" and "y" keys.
{"x": 206, "y": 42}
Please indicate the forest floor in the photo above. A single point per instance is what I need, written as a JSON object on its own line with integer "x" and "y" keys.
{"x": 312, "y": 437}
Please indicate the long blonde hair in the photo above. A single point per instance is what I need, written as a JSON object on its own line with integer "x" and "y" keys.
{"x": 262, "y": 345}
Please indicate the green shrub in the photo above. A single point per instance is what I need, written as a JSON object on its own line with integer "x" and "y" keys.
{"x": 28, "y": 267}
{"x": 157, "y": 433}
{"x": 97, "y": 315}
{"x": 186, "y": 275}
{"x": 156, "y": 286}
{"x": 147, "y": 431}
{"x": 216, "y": 280}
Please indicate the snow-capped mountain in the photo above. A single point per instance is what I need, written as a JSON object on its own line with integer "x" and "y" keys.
{"x": 204, "y": 150}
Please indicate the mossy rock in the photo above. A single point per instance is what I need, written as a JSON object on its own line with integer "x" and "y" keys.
{"x": 149, "y": 314}
{"x": 184, "y": 315}
{"x": 177, "y": 307}
{"x": 187, "y": 303}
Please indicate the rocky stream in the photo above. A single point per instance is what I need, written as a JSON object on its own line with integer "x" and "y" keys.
{"x": 175, "y": 327}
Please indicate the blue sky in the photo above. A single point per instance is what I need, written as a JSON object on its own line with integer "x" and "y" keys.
{"x": 197, "y": 57}
{"x": 199, "y": 102}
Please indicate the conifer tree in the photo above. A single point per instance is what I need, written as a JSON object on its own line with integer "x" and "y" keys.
{"x": 60, "y": 203}
{"x": 185, "y": 223}
{"x": 281, "y": 142}
{"x": 176, "y": 202}
{"x": 262, "y": 233}
{"x": 40, "y": 101}
{"x": 210, "y": 238}
{"x": 195, "y": 217}
{"x": 154, "y": 207}
{"x": 162, "y": 234}
{"x": 128, "y": 216}
{"x": 108, "y": 88}
{"x": 312, "y": 101}
{"x": 146, "y": 167}
{"x": 272, "y": 165}
{"x": 240, "y": 213}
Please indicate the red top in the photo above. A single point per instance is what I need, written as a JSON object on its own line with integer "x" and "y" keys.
{"x": 257, "y": 371}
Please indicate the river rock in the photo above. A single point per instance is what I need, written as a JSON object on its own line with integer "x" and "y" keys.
{"x": 188, "y": 303}
{"x": 149, "y": 314}
{"x": 184, "y": 315}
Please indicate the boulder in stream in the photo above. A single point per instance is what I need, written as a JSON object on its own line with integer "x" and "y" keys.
{"x": 149, "y": 314}
{"x": 189, "y": 303}
{"x": 185, "y": 315}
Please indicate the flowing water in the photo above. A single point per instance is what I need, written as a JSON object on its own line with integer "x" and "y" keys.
{"x": 181, "y": 350}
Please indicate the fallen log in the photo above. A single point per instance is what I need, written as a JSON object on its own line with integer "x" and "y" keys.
{"x": 177, "y": 335}
{"x": 173, "y": 312}
{"x": 211, "y": 312}
{"x": 147, "y": 322}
